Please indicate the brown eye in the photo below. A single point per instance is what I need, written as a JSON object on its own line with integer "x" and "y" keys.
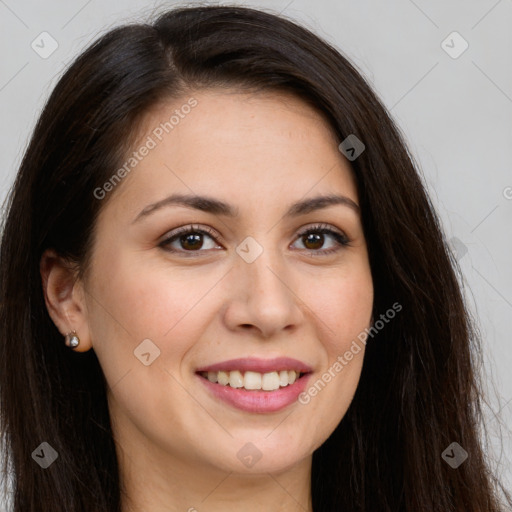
{"x": 315, "y": 237}
{"x": 189, "y": 239}
{"x": 313, "y": 240}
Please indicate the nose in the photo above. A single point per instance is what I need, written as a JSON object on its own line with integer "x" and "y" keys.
{"x": 262, "y": 297}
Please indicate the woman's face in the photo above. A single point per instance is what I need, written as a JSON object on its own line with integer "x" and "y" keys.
{"x": 257, "y": 281}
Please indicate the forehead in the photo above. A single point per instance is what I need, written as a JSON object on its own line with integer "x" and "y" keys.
{"x": 235, "y": 145}
{"x": 236, "y": 118}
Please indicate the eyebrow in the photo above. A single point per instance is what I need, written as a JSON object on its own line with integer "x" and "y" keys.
{"x": 217, "y": 207}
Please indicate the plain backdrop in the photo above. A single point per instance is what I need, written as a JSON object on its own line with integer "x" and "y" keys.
{"x": 451, "y": 95}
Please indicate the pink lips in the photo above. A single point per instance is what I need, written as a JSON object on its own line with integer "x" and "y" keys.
{"x": 257, "y": 401}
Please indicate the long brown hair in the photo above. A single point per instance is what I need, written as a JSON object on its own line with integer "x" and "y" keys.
{"x": 419, "y": 388}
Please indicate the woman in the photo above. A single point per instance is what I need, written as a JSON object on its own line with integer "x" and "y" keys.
{"x": 214, "y": 225}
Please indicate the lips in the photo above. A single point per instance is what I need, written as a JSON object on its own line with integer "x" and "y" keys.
{"x": 251, "y": 394}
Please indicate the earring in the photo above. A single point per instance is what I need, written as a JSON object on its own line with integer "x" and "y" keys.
{"x": 72, "y": 340}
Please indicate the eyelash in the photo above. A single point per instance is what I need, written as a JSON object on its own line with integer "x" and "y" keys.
{"x": 340, "y": 239}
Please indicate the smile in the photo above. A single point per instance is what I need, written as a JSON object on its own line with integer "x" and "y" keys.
{"x": 256, "y": 385}
{"x": 254, "y": 380}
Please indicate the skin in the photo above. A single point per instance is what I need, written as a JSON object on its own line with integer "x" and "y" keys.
{"x": 177, "y": 444}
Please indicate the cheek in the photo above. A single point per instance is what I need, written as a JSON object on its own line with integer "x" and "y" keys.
{"x": 138, "y": 297}
{"x": 150, "y": 301}
{"x": 131, "y": 303}
{"x": 344, "y": 306}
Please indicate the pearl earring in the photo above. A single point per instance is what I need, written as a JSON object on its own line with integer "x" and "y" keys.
{"x": 72, "y": 340}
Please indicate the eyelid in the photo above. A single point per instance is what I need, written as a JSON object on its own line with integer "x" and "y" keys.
{"x": 320, "y": 226}
{"x": 191, "y": 227}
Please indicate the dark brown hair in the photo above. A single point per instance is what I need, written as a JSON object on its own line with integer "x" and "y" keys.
{"x": 419, "y": 388}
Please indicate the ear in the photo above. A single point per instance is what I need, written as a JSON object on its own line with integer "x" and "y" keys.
{"x": 65, "y": 298}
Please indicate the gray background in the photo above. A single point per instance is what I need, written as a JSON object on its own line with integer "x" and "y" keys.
{"x": 456, "y": 114}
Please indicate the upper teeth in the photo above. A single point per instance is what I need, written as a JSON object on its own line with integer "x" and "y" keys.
{"x": 253, "y": 380}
